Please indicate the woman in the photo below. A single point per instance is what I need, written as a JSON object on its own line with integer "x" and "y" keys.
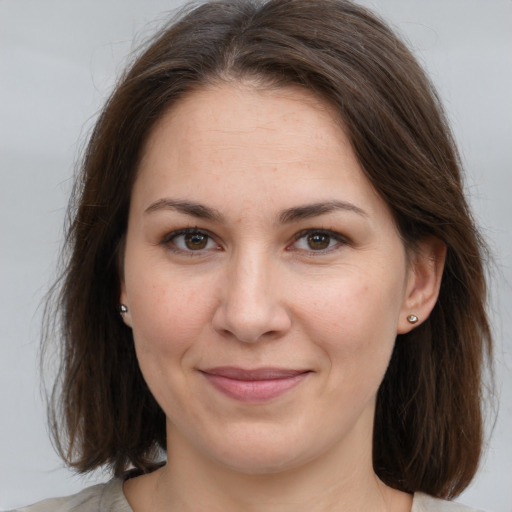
{"x": 272, "y": 201}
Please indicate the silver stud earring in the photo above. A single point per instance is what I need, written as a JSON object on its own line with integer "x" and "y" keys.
{"x": 412, "y": 319}
{"x": 123, "y": 309}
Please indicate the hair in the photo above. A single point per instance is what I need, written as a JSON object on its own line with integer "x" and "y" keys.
{"x": 429, "y": 424}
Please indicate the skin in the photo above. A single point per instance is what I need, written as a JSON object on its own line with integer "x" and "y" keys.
{"x": 251, "y": 290}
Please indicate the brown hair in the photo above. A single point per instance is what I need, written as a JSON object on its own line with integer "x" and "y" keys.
{"x": 428, "y": 425}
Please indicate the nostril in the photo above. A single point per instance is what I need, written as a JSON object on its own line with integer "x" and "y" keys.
{"x": 249, "y": 326}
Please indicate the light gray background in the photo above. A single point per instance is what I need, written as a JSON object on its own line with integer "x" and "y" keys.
{"x": 58, "y": 61}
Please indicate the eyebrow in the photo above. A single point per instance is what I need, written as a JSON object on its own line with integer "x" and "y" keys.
{"x": 314, "y": 210}
{"x": 293, "y": 214}
{"x": 188, "y": 208}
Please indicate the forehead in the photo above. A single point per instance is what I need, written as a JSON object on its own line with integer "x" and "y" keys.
{"x": 244, "y": 139}
{"x": 247, "y": 114}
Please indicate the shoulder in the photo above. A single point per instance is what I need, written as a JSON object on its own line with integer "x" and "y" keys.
{"x": 107, "y": 497}
{"x": 424, "y": 503}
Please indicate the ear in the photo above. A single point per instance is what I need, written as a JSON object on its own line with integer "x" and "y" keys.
{"x": 123, "y": 299}
{"x": 426, "y": 264}
{"x": 123, "y": 296}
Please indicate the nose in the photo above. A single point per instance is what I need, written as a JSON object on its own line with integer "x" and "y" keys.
{"x": 251, "y": 306}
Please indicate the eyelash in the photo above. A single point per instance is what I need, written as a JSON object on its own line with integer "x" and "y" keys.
{"x": 333, "y": 236}
{"x": 169, "y": 241}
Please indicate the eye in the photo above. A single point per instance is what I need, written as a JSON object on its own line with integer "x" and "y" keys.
{"x": 318, "y": 241}
{"x": 190, "y": 240}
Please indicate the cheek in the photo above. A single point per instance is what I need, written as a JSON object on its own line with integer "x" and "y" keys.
{"x": 351, "y": 304}
{"x": 168, "y": 318}
{"x": 353, "y": 321}
{"x": 167, "y": 313}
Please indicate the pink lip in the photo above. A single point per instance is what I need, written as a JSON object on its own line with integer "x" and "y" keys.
{"x": 255, "y": 385}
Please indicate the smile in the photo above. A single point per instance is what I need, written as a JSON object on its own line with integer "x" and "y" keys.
{"x": 253, "y": 386}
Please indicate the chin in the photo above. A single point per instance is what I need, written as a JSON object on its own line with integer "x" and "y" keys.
{"x": 258, "y": 463}
{"x": 254, "y": 453}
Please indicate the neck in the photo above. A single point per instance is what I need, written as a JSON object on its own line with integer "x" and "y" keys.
{"x": 335, "y": 482}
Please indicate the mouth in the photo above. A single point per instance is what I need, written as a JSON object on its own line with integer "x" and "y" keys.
{"x": 254, "y": 385}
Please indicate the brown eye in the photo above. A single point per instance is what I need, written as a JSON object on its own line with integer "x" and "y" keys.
{"x": 196, "y": 241}
{"x": 190, "y": 240}
{"x": 318, "y": 241}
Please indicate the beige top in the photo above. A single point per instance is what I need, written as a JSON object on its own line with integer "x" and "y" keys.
{"x": 109, "y": 497}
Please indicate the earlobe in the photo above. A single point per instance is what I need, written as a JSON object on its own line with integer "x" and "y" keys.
{"x": 423, "y": 283}
{"x": 412, "y": 319}
{"x": 123, "y": 309}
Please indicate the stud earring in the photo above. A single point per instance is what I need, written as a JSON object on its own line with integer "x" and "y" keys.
{"x": 123, "y": 309}
{"x": 412, "y": 319}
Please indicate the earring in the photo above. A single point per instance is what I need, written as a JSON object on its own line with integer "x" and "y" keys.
{"x": 412, "y": 319}
{"x": 123, "y": 309}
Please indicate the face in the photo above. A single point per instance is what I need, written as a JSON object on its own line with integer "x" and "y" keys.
{"x": 265, "y": 280}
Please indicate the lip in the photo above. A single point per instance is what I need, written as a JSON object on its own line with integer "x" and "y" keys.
{"x": 254, "y": 385}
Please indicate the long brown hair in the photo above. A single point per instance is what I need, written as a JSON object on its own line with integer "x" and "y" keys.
{"x": 428, "y": 424}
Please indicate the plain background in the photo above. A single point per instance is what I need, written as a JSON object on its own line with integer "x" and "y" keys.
{"x": 58, "y": 62}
